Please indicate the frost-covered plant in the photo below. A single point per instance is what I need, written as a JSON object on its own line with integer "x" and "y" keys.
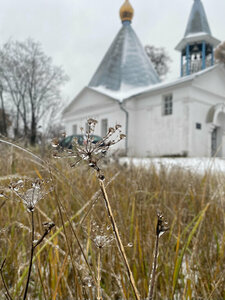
{"x": 93, "y": 153}
{"x": 161, "y": 228}
{"x": 90, "y": 151}
{"x": 30, "y": 192}
{"x": 102, "y": 237}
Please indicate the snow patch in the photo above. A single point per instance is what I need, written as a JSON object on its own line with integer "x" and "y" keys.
{"x": 197, "y": 165}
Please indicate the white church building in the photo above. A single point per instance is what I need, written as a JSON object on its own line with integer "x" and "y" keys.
{"x": 185, "y": 117}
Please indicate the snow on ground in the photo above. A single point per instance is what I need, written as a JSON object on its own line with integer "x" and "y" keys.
{"x": 197, "y": 165}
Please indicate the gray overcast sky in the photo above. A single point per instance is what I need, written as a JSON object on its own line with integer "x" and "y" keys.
{"x": 77, "y": 33}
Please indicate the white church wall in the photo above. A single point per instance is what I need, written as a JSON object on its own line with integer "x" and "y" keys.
{"x": 199, "y": 129}
{"x": 156, "y": 134}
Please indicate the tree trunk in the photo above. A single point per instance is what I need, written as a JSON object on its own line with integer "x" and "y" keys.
{"x": 16, "y": 128}
{"x": 33, "y": 133}
{"x": 4, "y": 123}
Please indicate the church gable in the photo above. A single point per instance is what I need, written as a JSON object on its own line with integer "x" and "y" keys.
{"x": 213, "y": 81}
{"x": 87, "y": 100}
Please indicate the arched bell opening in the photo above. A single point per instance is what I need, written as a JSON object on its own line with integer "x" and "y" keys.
{"x": 196, "y": 57}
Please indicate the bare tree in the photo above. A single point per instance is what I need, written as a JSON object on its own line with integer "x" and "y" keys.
{"x": 220, "y": 52}
{"x": 160, "y": 59}
{"x": 32, "y": 83}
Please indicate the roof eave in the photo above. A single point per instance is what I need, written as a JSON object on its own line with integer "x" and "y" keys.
{"x": 196, "y": 38}
{"x": 95, "y": 89}
{"x": 67, "y": 108}
{"x": 181, "y": 81}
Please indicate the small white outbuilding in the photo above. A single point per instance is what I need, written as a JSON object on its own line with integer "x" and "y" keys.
{"x": 185, "y": 117}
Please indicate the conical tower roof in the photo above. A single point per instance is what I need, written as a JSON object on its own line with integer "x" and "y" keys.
{"x": 126, "y": 67}
{"x": 197, "y": 29}
{"x": 197, "y": 21}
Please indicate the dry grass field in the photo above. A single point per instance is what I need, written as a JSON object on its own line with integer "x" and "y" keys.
{"x": 79, "y": 257}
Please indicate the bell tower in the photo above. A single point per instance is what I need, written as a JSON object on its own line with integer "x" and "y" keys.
{"x": 197, "y": 45}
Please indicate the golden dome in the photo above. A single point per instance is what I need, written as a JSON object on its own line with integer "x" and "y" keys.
{"x": 126, "y": 11}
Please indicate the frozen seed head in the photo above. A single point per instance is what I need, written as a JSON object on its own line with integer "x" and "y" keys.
{"x": 55, "y": 142}
{"x": 16, "y": 186}
{"x": 101, "y": 177}
{"x": 31, "y": 197}
{"x": 30, "y": 192}
{"x": 91, "y": 125}
{"x": 118, "y": 126}
{"x": 100, "y": 234}
{"x": 122, "y": 136}
{"x": 102, "y": 241}
{"x": 111, "y": 130}
{"x": 87, "y": 281}
{"x": 161, "y": 227}
{"x": 92, "y": 122}
{"x": 48, "y": 226}
{"x": 91, "y": 151}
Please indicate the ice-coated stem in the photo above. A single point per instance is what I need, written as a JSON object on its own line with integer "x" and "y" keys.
{"x": 31, "y": 255}
{"x": 99, "y": 275}
{"x": 8, "y": 296}
{"x": 118, "y": 240}
{"x": 152, "y": 279}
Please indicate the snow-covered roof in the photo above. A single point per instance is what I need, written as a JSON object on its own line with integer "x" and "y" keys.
{"x": 125, "y": 68}
{"x": 124, "y": 93}
{"x": 151, "y": 88}
{"x": 179, "y": 81}
{"x": 197, "y": 21}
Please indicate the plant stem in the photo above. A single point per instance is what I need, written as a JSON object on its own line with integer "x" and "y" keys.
{"x": 31, "y": 255}
{"x": 152, "y": 279}
{"x": 99, "y": 275}
{"x": 118, "y": 240}
{"x": 3, "y": 280}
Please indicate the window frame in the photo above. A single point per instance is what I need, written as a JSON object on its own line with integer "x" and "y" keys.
{"x": 104, "y": 127}
{"x": 167, "y": 105}
{"x": 74, "y": 129}
{"x": 198, "y": 126}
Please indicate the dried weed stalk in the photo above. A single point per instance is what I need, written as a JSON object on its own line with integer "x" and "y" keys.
{"x": 93, "y": 153}
{"x": 7, "y": 294}
{"x": 30, "y": 193}
{"x": 161, "y": 228}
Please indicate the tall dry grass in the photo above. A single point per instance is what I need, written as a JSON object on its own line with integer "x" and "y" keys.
{"x": 81, "y": 251}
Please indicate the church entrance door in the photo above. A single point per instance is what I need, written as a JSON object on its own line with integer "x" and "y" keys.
{"x": 218, "y": 136}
